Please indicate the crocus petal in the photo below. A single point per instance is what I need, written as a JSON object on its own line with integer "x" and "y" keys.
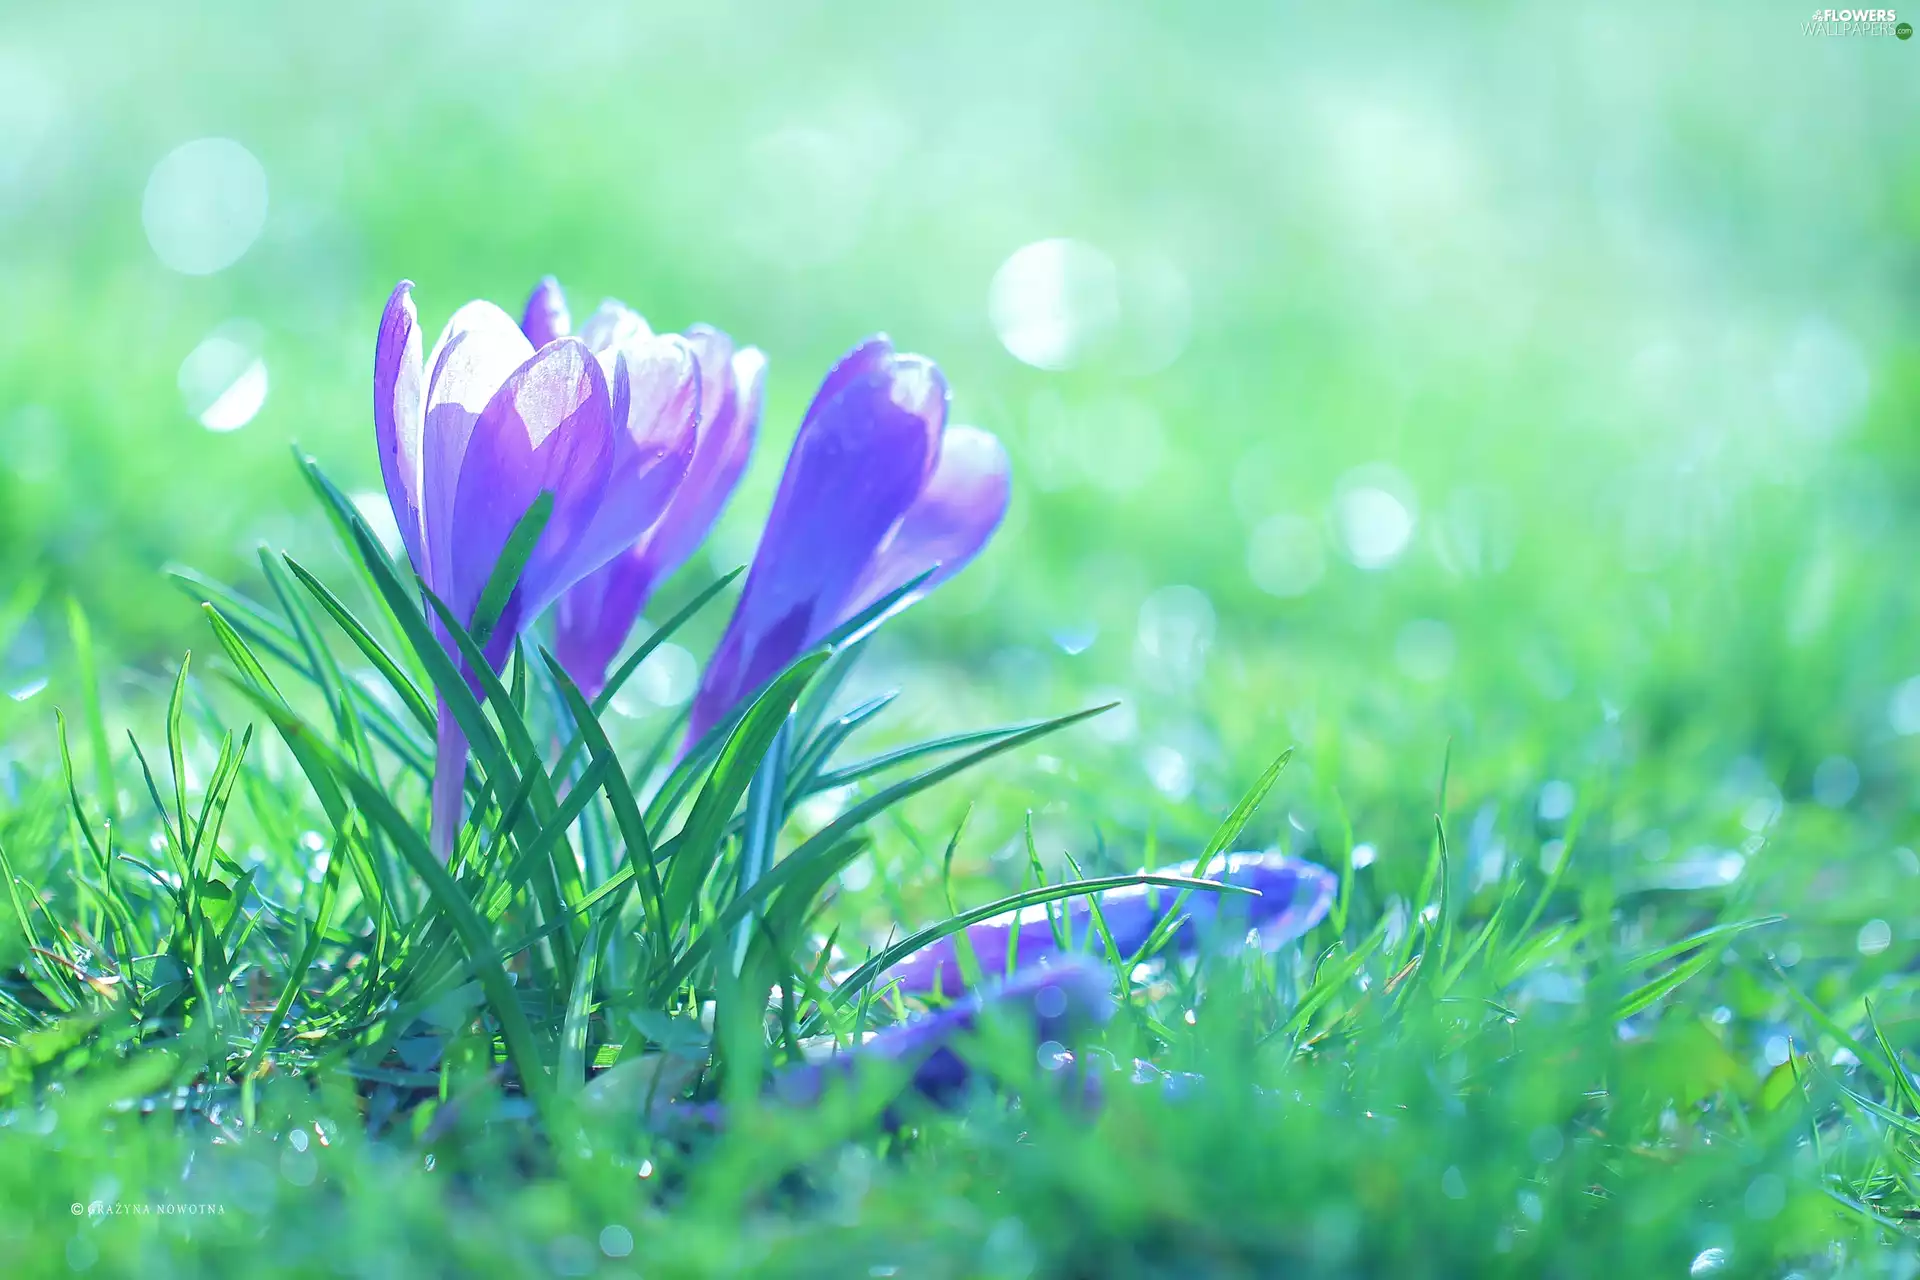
{"x": 952, "y": 519}
{"x": 546, "y": 316}
{"x": 595, "y": 617}
{"x": 655, "y": 408}
{"x": 732, "y": 383}
{"x": 613, "y": 325}
{"x": 477, "y": 352}
{"x": 1294, "y": 897}
{"x": 1056, "y": 1004}
{"x": 399, "y": 386}
{"x": 547, "y": 429}
{"x": 860, "y": 459}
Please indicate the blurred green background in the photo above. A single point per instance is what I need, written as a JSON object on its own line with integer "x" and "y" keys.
{"x": 1535, "y": 378}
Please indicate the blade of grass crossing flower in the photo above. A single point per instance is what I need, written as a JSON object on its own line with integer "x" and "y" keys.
{"x": 764, "y": 815}
{"x": 499, "y": 880}
{"x": 813, "y": 708}
{"x": 862, "y": 769}
{"x": 733, "y": 771}
{"x": 624, "y": 672}
{"x": 674, "y": 790}
{"x": 404, "y": 608}
{"x": 1224, "y": 837}
{"x": 642, "y": 862}
{"x": 813, "y": 757}
{"x": 1044, "y": 895}
{"x": 665, "y": 632}
{"x": 508, "y": 568}
{"x": 560, "y": 886}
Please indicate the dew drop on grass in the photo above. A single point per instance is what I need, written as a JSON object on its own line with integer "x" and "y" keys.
{"x": 1708, "y": 1262}
{"x": 1875, "y": 936}
{"x": 616, "y": 1241}
{"x": 1364, "y": 855}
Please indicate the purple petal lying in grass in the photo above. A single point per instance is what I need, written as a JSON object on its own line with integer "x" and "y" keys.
{"x": 470, "y": 438}
{"x": 1056, "y": 1004}
{"x": 595, "y": 616}
{"x": 878, "y": 489}
{"x": 1294, "y": 896}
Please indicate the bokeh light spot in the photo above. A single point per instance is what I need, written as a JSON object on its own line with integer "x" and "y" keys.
{"x": 223, "y": 381}
{"x": 1374, "y": 515}
{"x": 1286, "y": 556}
{"x": 205, "y": 204}
{"x": 1052, "y": 301}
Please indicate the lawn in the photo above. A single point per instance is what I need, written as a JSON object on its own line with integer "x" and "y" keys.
{"x": 1469, "y": 449}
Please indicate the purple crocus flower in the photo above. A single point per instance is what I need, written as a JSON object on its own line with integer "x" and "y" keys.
{"x": 1056, "y": 1003}
{"x": 595, "y": 615}
{"x": 877, "y": 490}
{"x": 469, "y": 439}
{"x": 1294, "y": 896}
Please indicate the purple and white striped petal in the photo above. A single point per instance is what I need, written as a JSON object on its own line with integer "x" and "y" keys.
{"x": 478, "y": 351}
{"x": 1294, "y": 897}
{"x": 595, "y": 617}
{"x": 952, "y": 519}
{"x": 614, "y": 325}
{"x": 862, "y": 455}
{"x": 548, "y": 428}
{"x": 546, "y": 316}
{"x": 399, "y": 393}
{"x": 655, "y": 406}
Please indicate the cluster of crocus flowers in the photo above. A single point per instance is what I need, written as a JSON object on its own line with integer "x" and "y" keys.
{"x": 640, "y": 438}
{"x": 470, "y": 438}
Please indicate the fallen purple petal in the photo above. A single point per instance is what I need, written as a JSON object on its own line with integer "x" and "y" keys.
{"x": 1056, "y": 1004}
{"x": 1294, "y": 897}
